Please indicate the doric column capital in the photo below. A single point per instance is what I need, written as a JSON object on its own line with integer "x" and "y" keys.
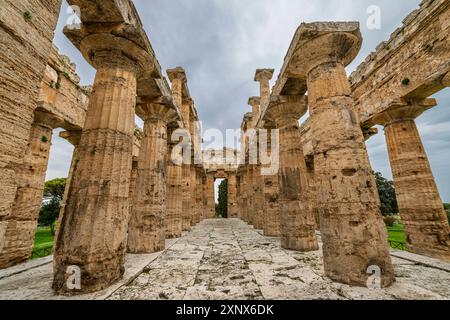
{"x": 177, "y": 73}
{"x": 284, "y": 110}
{"x": 402, "y": 111}
{"x": 73, "y": 136}
{"x": 254, "y": 101}
{"x": 102, "y": 50}
{"x": 264, "y": 75}
{"x": 91, "y": 39}
{"x": 326, "y": 42}
{"x": 161, "y": 108}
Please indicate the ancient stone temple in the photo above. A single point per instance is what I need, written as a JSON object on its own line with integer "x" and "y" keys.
{"x": 142, "y": 201}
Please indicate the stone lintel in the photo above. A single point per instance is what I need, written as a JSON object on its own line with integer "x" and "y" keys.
{"x": 402, "y": 111}
{"x": 47, "y": 119}
{"x": 104, "y": 11}
{"x": 264, "y": 74}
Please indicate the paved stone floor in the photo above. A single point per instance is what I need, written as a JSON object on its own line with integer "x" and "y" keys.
{"x": 227, "y": 259}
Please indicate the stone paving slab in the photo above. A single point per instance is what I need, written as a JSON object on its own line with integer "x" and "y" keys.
{"x": 34, "y": 280}
{"x": 229, "y": 260}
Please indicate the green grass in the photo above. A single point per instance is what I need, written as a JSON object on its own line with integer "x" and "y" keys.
{"x": 43, "y": 243}
{"x": 397, "y": 234}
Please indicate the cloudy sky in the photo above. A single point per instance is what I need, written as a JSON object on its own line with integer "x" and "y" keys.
{"x": 220, "y": 43}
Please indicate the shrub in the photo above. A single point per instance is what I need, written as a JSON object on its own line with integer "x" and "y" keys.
{"x": 27, "y": 15}
{"x": 390, "y": 221}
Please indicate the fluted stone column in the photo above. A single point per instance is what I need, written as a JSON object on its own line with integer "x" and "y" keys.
{"x": 272, "y": 214}
{"x": 178, "y": 78}
{"x": 312, "y": 188}
{"x": 297, "y": 220}
{"x": 353, "y": 233}
{"x": 174, "y": 199}
{"x": 93, "y": 231}
{"x": 211, "y": 201}
{"x": 249, "y": 192}
{"x": 243, "y": 193}
{"x": 263, "y": 76}
{"x": 204, "y": 197}
{"x": 421, "y": 210}
{"x": 146, "y": 233}
{"x": 74, "y": 138}
{"x": 18, "y": 240}
{"x": 258, "y": 198}
{"x": 232, "y": 197}
{"x": 198, "y": 193}
{"x": 133, "y": 182}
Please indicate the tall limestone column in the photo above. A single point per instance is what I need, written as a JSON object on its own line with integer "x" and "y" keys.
{"x": 353, "y": 233}
{"x": 73, "y": 137}
{"x": 19, "y": 235}
{"x": 93, "y": 230}
{"x": 257, "y": 208}
{"x": 272, "y": 214}
{"x": 426, "y": 223}
{"x": 243, "y": 193}
{"x": 198, "y": 194}
{"x": 146, "y": 230}
{"x": 297, "y": 220}
{"x": 232, "y": 197}
{"x": 210, "y": 198}
{"x": 263, "y": 76}
{"x": 178, "y": 78}
{"x": 174, "y": 215}
{"x": 204, "y": 197}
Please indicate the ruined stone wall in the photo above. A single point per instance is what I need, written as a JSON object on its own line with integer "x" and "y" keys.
{"x": 26, "y": 33}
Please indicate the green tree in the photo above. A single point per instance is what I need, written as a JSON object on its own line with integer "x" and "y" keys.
{"x": 387, "y": 194}
{"x": 222, "y": 207}
{"x": 53, "y": 195}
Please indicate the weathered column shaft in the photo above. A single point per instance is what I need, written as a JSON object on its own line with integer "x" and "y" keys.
{"x": 186, "y": 213}
{"x": 272, "y": 214}
{"x": 258, "y": 196}
{"x": 146, "y": 233}
{"x": 211, "y": 201}
{"x": 297, "y": 220}
{"x": 174, "y": 199}
{"x": 353, "y": 233}
{"x": 197, "y": 194}
{"x": 232, "y": 197}
{"x": 426, "y": 224}
{"x": 74, "y": 138}
{"x": 133, "y": 184}
{"x": 19, "y": 235}
{"x": 93, "y": 231}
